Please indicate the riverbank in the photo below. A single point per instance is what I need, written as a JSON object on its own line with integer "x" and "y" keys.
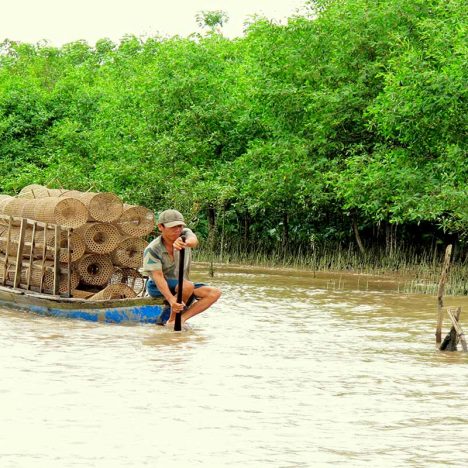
{"x": 402, "y": 273}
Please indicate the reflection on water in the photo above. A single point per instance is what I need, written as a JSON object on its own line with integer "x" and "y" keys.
{"x": 287, "y": 370}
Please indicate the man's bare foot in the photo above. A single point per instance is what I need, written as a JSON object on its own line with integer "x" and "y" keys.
{"x": 172, "y": 322}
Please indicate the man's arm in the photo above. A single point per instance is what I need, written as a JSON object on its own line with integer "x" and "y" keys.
{"x": 163, "y": 287}
{"x": 191, "y": 241}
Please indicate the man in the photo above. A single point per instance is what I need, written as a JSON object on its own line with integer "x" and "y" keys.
{"x": 161, "y": 264}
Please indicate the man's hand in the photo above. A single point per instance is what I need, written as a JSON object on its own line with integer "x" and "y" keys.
{"x": 179, "y": 244}
{"x": 175, "y": 306}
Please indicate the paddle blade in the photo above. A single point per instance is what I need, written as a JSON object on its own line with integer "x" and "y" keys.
{"x": 178, "y": 322}
{"x": 178, "y": 317}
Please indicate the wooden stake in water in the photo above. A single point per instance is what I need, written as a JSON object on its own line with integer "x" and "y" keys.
{"x": 456, "y": 332}
{"x": 440, "y": 294}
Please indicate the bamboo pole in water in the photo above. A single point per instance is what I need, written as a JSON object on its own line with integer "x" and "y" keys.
{"x": 440, "y": 294}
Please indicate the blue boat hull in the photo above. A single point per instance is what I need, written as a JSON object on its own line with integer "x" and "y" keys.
{"x": 137, "y": 310}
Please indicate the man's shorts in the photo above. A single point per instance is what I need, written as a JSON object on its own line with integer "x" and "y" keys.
{"x": 153, "y": 291}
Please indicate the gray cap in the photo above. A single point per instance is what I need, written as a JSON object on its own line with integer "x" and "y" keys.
{"x": 171, "y": 218}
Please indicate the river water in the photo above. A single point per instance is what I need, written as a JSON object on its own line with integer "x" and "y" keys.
{"x": 288, "y": 369}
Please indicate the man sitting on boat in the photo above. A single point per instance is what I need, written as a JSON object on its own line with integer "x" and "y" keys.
{"x": 160, "y": 263}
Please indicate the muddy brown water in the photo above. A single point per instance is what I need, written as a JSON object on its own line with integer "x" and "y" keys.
{"x": 287, "y": 370}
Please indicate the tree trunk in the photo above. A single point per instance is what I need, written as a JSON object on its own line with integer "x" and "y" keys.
{"x": 357, "y": 235}
{"x": 247, "y": 221}
{"x": 285, "y": 240}
{"x": 211, "y": 237}
{"x": 211, "y": 221}
{"x": 390, "y": 238}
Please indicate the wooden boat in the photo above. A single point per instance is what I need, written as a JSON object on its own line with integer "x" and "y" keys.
{"x": 135, "y": 310}
{"x": 28, "y": 283}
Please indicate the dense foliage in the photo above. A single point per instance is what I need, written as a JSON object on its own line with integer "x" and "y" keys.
{"x": 338, "y": 127}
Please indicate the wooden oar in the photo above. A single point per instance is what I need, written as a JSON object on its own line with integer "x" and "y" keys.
{"x": 178, "y": 317}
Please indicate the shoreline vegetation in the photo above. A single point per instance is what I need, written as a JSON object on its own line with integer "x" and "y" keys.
{"x": 336, "y": 141}
{"x": 407, "y": 272}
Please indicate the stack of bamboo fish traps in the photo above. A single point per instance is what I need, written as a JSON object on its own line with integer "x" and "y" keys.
{"x": 99, "y": 242}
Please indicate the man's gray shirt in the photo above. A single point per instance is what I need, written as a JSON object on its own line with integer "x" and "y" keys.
{"x": 157, "y": 258}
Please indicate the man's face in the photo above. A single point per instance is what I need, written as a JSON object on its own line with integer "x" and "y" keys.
{"x": 170, "y": 233}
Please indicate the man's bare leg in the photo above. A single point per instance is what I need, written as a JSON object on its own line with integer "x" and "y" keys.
{"x": 206, "y": 296}
{"x": 187, "y": 291}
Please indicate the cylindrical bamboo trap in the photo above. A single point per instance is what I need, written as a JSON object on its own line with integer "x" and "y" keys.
{"x": 29, "y": 208}
{"x": 99, "y": 238}
{"x": 7, "y": 276}
{"x": 129, "y": 253}
{"x": 48, "y": 283}
{"x": 14, "y": 238}
{"x": 67, "y": 212}
{"x": 4, "y": 199}
{"x": 114, "y": 291}
{"x": 77, "y": 246}
{"x": 136, "y": 221}
{"x": 71, "y": 193}
{"x": 14, "y": 207}
{"x": 130, "y": 277}
{"x": 29, "y": 190}
{"x": 3, "y": 202}
{"x": 104, "y": 207}
{"x": 94, "y": 269}
{"x": 37, "y": 273}
{"x": 41, "y": 192}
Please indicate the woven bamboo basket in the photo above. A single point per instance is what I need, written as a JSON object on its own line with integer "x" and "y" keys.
{"x": 29, "y": 191}
{"x": 114, "y": 291}
{"x": 14, "y": 237}
{"x": 77, "y": 246}
{"x": 95, "y": 269}
{"x": 71, "y": 193}
{"x": 4, "y": 240}
{"x": 3, "y": 223}
{"x": 136, "y": 221}
{"x": 105, "y": 207}
{"x": 67, "y": 212}
{"x": 50, "y": 193}
{"x": 3, "y": 202}
{"x": 129, "y": 253}
{"x": 41, "y": 192}
{"x": 9, "y": 275}
{"x": 130, "y": 277}
{"x": 36, "y": 273}
{"x": 3, "y": 198}
{"x": 48, "y": 283}
{"x": 99, "y": 238}
{"x": 14, "y": 207}
{"x": 29, "y": 208}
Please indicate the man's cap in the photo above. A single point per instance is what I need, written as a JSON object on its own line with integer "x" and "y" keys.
{"x": 171, "y": 218}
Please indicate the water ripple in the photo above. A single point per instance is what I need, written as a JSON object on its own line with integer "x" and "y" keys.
{"x": 281, "y": 372}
